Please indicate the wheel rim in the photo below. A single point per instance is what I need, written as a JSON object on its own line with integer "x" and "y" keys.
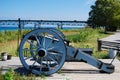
{"x": 42, "y": 51}
{"x": 59, "y": 33}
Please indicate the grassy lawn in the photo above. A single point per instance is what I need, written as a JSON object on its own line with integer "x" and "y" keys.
{"x": 79, "y": 38}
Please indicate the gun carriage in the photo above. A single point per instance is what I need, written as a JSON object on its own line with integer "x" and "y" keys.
{"x": 44, "y": 51}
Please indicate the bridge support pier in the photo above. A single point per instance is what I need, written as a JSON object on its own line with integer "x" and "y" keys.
{"x": 59, "y": 26}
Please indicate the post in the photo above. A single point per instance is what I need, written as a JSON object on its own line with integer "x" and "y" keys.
{"x": 19, "y": 33}
{"x": 99, "y": 44}
{"x": 61, "y": 25}
{"x": 19, "y": 26}
{"x": 35, "y": 26}
{"x": 58, "y": 27}
{"x": 39, "y": 25}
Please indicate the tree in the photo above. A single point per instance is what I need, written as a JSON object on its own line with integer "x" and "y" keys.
{"x": 105, "y": 13}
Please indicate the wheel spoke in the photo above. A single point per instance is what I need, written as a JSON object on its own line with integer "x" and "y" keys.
{"x": 40, "y": 65}
{"x": 37, "y": 40}
{"x": 32, "y": 44}
{"x": 47, "y": 64}
{"x": 55, "y": 57}
{"x": 56, "y": 54}
{"x": 54, "y": 48}
{"x": 28, "y": 57}
{"x": 53, "y": 60}
{"x": 50, "y": 43}
{"x": 34, "y": 62}
{"x": 52, "y": 40}
{"x": 44, "y": 42}
{"x": 51, "y": 48}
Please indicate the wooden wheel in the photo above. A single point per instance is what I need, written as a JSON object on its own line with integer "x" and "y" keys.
{"x": 42, "y": 51}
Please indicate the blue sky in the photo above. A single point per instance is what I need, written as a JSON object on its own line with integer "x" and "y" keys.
{"x": 45, "y": 9}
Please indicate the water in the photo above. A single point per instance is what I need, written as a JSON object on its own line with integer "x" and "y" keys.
{"x": 14, "y": 28}
{"x": 8, "y": 28}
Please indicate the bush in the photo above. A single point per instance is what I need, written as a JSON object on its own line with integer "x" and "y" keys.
{"x": 9, "y": 75}
{"x": 83, "y": 36}
{"x": 101, "y": 54}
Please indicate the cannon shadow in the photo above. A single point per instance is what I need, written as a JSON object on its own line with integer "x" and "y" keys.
{"x": 81, "y": 71}
{"x": 24, "y": 71}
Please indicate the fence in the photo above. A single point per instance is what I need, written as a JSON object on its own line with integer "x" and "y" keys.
{"x": 108, "y": 45}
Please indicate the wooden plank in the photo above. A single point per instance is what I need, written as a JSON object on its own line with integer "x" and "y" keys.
{"x": 108, "y": 45}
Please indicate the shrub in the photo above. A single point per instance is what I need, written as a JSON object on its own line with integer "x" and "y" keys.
{"x": 9, "y": 75}
{"x": 101, "y": 54}
{"x": 81, "y": 37}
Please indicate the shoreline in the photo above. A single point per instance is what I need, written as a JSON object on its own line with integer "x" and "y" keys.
{"x": 2, "y": 29}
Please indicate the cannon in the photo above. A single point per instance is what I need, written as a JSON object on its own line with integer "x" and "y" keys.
{"x": 44, "y": 51}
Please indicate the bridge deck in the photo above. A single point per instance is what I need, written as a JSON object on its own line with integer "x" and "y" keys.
{"x": 59, "y": 23}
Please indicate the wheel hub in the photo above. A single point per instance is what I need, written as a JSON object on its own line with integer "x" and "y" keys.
{"x": 42, "y": 52}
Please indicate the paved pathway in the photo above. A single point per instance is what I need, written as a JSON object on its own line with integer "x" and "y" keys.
{"x": 70, "y": 70}
{"x": 113, "y": 38}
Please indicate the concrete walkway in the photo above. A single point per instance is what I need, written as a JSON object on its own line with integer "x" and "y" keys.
{"x": 113, "y": 38}
{"x": 70, "y": 70}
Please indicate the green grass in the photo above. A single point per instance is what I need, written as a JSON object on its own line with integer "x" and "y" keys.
{"x": 11, "y": 75}
{"x": 6, "y": 36}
